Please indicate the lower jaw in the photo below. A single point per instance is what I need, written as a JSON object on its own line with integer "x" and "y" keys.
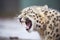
{"x": 41, "y": 33}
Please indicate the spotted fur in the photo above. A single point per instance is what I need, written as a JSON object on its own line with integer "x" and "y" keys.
{"x": 44, "y": 20}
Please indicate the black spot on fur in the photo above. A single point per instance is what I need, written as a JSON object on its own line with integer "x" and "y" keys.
{"x": 42, "y": 23}
{"x": 58, "y": 38}
{"x": 45, "y": 12}
{"x": 56, "y": 13}
{"x": 53, "y": 11}
{"x": 53, "y": 21}
{"x": 25, "y": 14}
{"x": 38, "y": 25}
{"x": 56, "y": 24}
{"x": 33, "y": 15}
{"x": 49, "y": 12}
{"x": 51, "y": 32}
{"x": 36, "y": 14}
{"x": 50, "y": 37}
{"x": 50, "y": 27}
{"x": 37, "y": 21}
{"x": 57, "y": 30}
{"x": 57, "y": 35}
{"x": 54, "y": 18}
{"x": 41, "y": 19}
{"x": 49, "y": 17}
{"x": 39, "y": 15}
{"x": 58, "y": 18}
{"x": 48, "y": 32}
{"x": 52, "y": 15}
{"x": 47, "y": 22}
{"x": 54, "y": 35}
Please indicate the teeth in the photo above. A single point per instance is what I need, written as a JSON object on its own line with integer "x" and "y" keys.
{"x": 22, "y": 20}
{"x": 27, "y": 27}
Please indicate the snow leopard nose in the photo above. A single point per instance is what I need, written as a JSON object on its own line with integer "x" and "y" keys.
{"x": 20, "y": 19}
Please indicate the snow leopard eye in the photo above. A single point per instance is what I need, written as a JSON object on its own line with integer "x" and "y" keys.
{"x": 38, "y": 25}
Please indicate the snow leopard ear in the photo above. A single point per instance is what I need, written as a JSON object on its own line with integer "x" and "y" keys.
{"x": 45, "y": 7}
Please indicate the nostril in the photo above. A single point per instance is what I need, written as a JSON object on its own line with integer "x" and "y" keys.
{"x": 20, "y": 19}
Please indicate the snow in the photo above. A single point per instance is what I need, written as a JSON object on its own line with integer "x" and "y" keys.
{"x": 12, "y": 27}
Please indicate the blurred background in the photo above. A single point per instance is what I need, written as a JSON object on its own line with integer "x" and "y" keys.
{"x": 11, "y": 28}
{"x": 11, "y": 8}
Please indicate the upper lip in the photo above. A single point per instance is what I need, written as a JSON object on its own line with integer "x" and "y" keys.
{"x": 20, "y": 19}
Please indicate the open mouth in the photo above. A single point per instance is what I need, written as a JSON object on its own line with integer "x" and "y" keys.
{"x": 28, "y": 23}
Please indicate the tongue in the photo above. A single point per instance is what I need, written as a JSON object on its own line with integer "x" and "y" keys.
{"x": 28, "y": 25}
